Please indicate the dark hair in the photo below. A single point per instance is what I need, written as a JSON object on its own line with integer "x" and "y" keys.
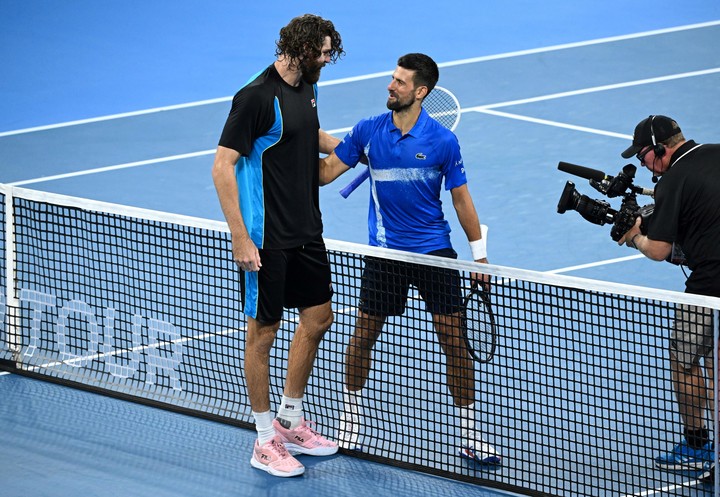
{"x": 426, "y": 70}
{"x": 304, "y": 37}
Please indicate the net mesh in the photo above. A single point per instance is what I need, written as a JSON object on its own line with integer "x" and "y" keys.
{"x": 137, "y": 304}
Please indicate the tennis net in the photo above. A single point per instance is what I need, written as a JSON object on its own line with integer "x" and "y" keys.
{"x": 143, "y": 305}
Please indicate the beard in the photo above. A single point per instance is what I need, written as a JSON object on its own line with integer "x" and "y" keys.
{"x": 310, "y": 71}
{"x": 399, "y": 105}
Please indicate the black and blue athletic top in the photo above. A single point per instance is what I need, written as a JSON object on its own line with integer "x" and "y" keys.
{"x": 274, "y": 126}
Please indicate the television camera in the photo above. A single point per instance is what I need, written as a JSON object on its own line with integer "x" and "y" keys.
{"x": 600, "y": 211}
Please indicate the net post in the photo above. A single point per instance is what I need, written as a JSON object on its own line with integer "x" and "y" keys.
{"x": 12, "y": 307}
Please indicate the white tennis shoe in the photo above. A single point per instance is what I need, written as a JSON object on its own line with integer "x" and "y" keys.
{"x": 478, "y": 450}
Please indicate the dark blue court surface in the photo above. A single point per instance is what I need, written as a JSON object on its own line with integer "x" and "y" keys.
{"x": 149, "y": 84}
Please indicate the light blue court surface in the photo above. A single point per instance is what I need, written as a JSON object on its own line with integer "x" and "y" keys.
{"x": 61, "y": 441}
{"x": 124, "y": 102}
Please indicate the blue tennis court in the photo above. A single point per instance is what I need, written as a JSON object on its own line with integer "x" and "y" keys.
{"x": 124, "y": 103}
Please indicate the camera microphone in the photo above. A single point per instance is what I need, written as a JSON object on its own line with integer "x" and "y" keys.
{"x": 581, "y": 171}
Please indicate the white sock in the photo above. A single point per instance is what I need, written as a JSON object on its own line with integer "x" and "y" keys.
{"x": 290, "y": 413}
{"x": 264, "y": 426}
{"x": 351, "y": 401}
{"x": 467, "y": 421}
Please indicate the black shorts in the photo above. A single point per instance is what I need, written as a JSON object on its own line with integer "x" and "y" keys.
{"x": 385, "y": 285}
{"x": 289, "y": 278}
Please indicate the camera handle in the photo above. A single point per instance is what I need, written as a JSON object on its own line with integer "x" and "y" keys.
{"x": 650, "y": 192}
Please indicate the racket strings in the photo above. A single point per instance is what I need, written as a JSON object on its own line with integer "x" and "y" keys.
{"x": 479, "y": 326}
{"x": 443, "y": 106}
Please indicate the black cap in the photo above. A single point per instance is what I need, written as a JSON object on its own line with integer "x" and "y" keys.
{"x": 662, "y": 126}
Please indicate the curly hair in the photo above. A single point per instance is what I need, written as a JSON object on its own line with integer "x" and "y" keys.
{"x": 303, "y": 37}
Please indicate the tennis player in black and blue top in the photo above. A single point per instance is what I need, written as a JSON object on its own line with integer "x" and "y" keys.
{"x": 409, "y": 156}
{"x": 266, "y": 177}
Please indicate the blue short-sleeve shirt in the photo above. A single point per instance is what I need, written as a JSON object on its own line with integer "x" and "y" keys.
{"x": 406, "y": 174}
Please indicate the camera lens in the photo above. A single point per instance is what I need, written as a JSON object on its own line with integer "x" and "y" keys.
{"x": 568, "y": 199}
{"x": 595, "y": 211}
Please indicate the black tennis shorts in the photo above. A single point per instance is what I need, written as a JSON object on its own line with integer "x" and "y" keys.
{"x": 385, "y": 285}
{"x": 289, "y": 278}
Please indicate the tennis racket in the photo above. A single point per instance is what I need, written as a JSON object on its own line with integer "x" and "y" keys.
{"x": 478, "y": 325}
{"x": 442, "y": 105}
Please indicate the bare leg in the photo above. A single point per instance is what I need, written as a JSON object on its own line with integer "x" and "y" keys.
{"x": 260, "y": 339}
{"x": 461, "y": 383}
{"x": 297, "y": 436}
{"x": 314, "y": 322}
{"x": 692, "y": 392}
{"x": 460, "y": 366}
{"x": 358, "y": 355}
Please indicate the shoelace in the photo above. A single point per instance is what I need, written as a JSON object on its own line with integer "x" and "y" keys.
{"x": 308, "y": 426}
{"x": 278, "y": 448}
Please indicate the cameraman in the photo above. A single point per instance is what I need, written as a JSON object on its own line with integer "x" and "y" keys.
{"x": 687, "y": 213}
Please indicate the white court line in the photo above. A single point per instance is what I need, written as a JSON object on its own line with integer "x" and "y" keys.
{"x": 379, "y": 74}
{"x": 116, "y": 116}
{"x": 583, "y": 43}
{"x": 139, "y": 348}
{"x": 557, "y": 124}
{"x": 596, "y": 89}
{"x": 128, "y": 165}
{"x": 103, "y": 169}
{"x": 595, "y": 264}
{"x": 486, "y": 109}
{"x": 663, "y": 490}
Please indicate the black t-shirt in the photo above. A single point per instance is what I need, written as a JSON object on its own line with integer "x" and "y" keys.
{"x": 274, "y": 127}
{"x": 687, "y": 212}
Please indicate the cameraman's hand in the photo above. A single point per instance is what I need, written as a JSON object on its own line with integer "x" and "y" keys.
{"x": 627, "y": 238}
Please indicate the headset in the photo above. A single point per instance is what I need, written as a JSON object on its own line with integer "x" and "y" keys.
{"x": 658, "y": 148}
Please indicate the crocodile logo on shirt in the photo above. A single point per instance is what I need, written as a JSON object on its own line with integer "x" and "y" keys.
{"x": 420, "y": 156}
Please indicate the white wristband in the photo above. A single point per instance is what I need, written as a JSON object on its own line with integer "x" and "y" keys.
{"x": 479, "y": 247}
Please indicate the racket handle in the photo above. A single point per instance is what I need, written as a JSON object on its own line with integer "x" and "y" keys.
{"x": 359, "y": 179}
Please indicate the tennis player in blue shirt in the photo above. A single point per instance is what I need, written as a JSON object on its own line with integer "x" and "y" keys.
{"x": 410, "y": 155}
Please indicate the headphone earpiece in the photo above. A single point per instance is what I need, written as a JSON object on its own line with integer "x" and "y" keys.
{"x": 658, "y": 148}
